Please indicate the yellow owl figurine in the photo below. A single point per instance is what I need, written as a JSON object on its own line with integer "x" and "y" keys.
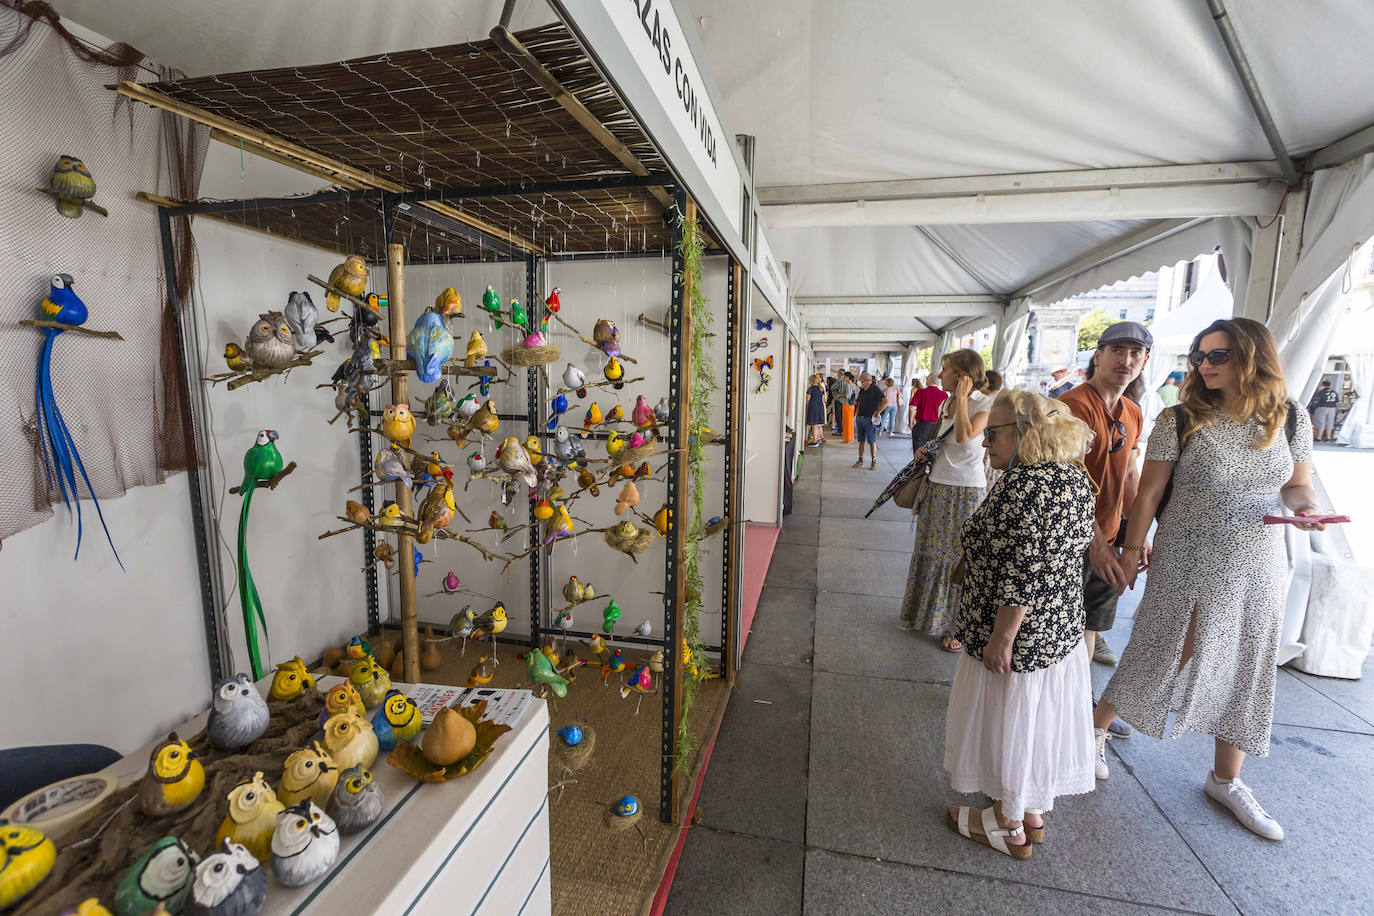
{"x": 72, "y": 185}
{"x": 26, "y": 857}
{"x": 448, "y": 303}
{"x": 350, "y": 740}
{"x": 253, "y": 810}
{"x": 350, "y": 276}
{"x": 341, "y": 698}
{"x": 371, "y": 680}
{"x": 398, "y": 424}
{"x": 291, "y": 680}
{"x": 175, "y": 778}
{"x": 309, "y": 773}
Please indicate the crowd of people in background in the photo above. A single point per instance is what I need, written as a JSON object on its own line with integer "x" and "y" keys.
{"x": 1037, "y": 514}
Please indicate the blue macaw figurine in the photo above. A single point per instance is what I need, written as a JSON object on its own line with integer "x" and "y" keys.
{"x": 560, "y": 405}
{"x": 484, "y": 383}
{"x": 430, "y": 344}
{"x": 60, "y": 458}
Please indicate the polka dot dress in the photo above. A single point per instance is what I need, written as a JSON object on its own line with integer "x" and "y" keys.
{"x": 1212, "y": 552}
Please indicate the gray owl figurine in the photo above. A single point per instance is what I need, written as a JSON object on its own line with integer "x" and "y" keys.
{"x": 238, "y": 713}
{"x": 305, "y": 844}
{"x": 228, "y": 883}
{"x": 73, "y": 185}
{"x": 356, "y": 801}
{"x": 271, "y": 343}
{"x": 302, "y": 315}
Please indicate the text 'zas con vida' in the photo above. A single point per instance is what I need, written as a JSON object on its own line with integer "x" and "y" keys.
{"x": 690, "y": 95}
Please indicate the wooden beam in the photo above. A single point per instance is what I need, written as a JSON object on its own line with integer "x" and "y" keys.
{"x": 303, "y": 158}
{"x": 161, "y": 201}
{"x": 560, "y": 94}
{"x": 400, "y": 394}
{"x": 734, "y": 511}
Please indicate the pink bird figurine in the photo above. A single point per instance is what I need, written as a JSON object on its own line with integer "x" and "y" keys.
{"x": 451, "y": 582}
{"x": 641, "y": 680}
{"x": 636, "y": 440}
{"x": 643, "y": 414}
{"x": 535, "y": 339}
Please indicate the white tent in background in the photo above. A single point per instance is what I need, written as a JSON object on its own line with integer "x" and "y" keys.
{"x": 1355, "y": 342}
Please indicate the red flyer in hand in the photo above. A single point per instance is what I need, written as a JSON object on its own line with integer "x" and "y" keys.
{"x": 1307, "y": 519}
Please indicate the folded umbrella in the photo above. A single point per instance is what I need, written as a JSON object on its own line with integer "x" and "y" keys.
{"x": 903, "y": 477}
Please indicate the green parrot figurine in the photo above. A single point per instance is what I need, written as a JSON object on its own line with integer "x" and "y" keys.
{"x": 609, "y": 617}
{"x": 261, "y": 463}
{"x": 518, "y": 316}
{"x": 541, "y": 670}
{"x": 492, "y": 303}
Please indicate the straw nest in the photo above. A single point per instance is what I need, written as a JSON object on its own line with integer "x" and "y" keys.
{"x": 635, "y": 456}
{"x": 615, "y": 822}
{"x": 532, "y": 356}
{"x": 632, "y": 545}
{"x": 571, "y": 759}
{"x": 717, "y": 527}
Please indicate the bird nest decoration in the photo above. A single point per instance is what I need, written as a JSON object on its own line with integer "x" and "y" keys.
{"x": 629, "y": 539}
{"x": 571, "y": 758}
{"x": 716, "y": 526}
{"x": 410, "y": 759}
{"x": 541, "y": 355}
{"x": 636, "y": 456}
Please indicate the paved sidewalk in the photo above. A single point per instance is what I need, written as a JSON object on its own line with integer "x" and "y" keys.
{"x": 825, "y": 794}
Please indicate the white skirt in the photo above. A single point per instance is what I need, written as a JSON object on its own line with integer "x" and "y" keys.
{"x": 1023, "y": 739}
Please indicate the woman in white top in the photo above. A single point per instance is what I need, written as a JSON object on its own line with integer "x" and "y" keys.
{"x": 954, "y": 491}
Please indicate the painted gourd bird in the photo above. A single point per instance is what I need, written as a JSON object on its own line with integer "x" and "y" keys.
{"x": 643, "y": 414}
{"x": 661, "y": 518}
{"x": 252, "y": 817}
{"x": 489, "y": 624}
{"x": 238, "y": 713}
{"x": 614, "y": 664}
{"x": 91, "y": 906}
{"x": 482, "y": 672}
{"x": 291, "y": 680}
{"x": 609, "y": 616}
{"x": 437, "y": 510}
{"x": 236, "y": 358}
{"x": 614, "y": 371}
{"x": 390, "y": 516}
{"x": 391, "y": 465}
{"x": 231, "y": 882}
{"x": 26, "y": 858}
{"x": 518, "y": 315}
{"x": 305, "y": 845}
{"x": 468, "y": 406}
{"x": 308, "y": 774}
{"x": 342, "y": 698}
{"x": 661, "y": 411}
{"x": 628, "y": 498}
{"x": 271, "y": 343}
{"x": 61, "y": 460}
{"x": 641, "y": 681}
{"x": 558, "y": 527}
{"x": 484, "y": 383}
{"x": 162, "y": 876}
{"x": 350, "y": 276}
{"x": 574, "y": 379}
{"x": 430, "y": 344}
{"x": 398, "y": 720}
{"x": 175, "y": 778}
{"x": 476, "y": 349}
{"x": 587, "y": 481}
{"x": 615, "y": 414}
{"x": 477, "y": 462}
{"x": 357, "y": 513}
{"x": 440, "y": 404}
{"x": 492, "y": 303}
{"x": 559, "y": 405}
{"x": 541, "y": 670}
{"x": 302, "y": 316}
{"x": 515, "y": 461}
{"x": 485, "y": 421}
{"x": 350, "y": 741}
{"x": 568, "y": 449}
{"x": 615, "y": 444}
{"x": 261, "y": 463}
{"x": 543, "y": 509}
{"x": 552, "y": 303}
{"x": 575, "y": 592}
{"x": 448, "y": 303}
{"x": 592, "y": 417}
{"x": 372, "y": 681}
{"x": 72, "y": 184}
{"x": 606, "y": 336}
{"x": 357, "y": 801}
{"x": 398, "y": 424}
{"x": 533, "y": 450}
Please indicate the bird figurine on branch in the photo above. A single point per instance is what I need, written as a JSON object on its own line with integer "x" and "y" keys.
{"x": 72, "y": 188}
{"x": 302, "y": 317}
{"x": 61, "y": 460}
{"x": 429, "y": 344}
{"x": 574, "y": 379}
{"x": 271, "y": 343}
{"x": 349, "y": 277}
{"x": 261, "y": 464}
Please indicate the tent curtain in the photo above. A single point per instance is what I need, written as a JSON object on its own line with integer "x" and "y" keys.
{"x": 1009, "y": 354}
{"x": 1358, "y": 428}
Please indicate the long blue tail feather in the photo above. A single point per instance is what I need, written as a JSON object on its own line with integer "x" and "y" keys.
{"x": 76, "y": 457}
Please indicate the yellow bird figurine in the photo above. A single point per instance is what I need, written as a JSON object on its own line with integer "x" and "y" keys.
{"x": 593, "y": 417}
{"x": 482, "y": 672}
{"x": 615, "y": 444}
{"x": 237, "y": 358}
{"x": 291, "y": 680}
{"x": 252, "y": 817}
{"x": 533, "y": 450}
{"x": 72, "y": 185}
{"x": 560, "y": 526}
{"x": 175, "y": 778}
{"x": 398, "y": 424}
{"x": 477, "y": 348}
{"x": 26, "y": 858}
{"x": 371, "y": 680}
{"x": 615, "y": 414}
{"x": 309, "y": 773}
{"x": 436, "y": 511}
{"x": 390, "y": 516}
{"x": 661, "y": 521}
{"x": 448, "y": 303}
{"x": 350, "y": 276}
{"x": 350, "y": 741}
{"x": 341, "y": 698}
{"x": 485, "y": 421}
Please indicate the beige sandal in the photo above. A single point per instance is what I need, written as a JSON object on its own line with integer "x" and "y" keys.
{"x": 993, "y": 835}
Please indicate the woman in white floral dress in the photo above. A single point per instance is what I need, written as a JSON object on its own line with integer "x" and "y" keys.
{"x": 1206, "y": 633}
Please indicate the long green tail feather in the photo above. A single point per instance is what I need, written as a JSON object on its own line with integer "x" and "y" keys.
{"x": 248, "y": 591}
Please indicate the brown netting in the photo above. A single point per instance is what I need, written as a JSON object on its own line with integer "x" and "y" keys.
{"x": 119, "y": 399}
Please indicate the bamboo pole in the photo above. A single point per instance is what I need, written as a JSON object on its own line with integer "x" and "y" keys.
{"x": 400, "y": 394}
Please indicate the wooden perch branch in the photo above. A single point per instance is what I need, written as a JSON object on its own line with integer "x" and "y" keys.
{"x": 603, "y": 384}
{"x": 84, "y": 204}
{"x": 452, "y": 367}
{"x": 275, "y": 479}
{"x": 362, "y": 303}
{"x": 257, "y": 373}
{"x": 59, "y": 326}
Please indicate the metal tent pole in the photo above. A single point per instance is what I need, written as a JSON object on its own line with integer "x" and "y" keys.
{"x": 532, "y": 394}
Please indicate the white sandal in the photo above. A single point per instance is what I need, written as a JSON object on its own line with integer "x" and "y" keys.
{"x": 993, "y": 834}
{"x": 1035, "y": 834}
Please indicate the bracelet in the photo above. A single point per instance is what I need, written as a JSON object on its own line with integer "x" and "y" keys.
{"x": 1132, "y": 547}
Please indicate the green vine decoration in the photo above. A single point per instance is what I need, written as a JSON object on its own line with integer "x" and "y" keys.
{"x": 698, "y": 406}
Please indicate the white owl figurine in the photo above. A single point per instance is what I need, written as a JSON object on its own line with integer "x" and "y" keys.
{"x": 271, "y": 343}
{"x": 305, "y": 844}
{"x": 356, "y": 801}
{"x": 228, "y": 883}
{"x": 238, "y": 713}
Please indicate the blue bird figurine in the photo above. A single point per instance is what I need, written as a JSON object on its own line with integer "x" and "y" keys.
{"x": 560, "y": 405}
{"x": 430, "y": 344}
{"x": 60, "y": 458}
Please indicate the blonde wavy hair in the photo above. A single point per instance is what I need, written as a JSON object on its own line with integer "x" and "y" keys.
{"x": 1261, "y": 392}
{"x": 1048, "y": 430}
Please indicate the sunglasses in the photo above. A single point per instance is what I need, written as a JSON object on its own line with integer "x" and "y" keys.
{"x": 1119, "y": 442}
{"x": 1215, "y": 357}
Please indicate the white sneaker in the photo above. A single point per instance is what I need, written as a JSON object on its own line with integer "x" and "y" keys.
{"x": 1102, "y": 653}
{"x": 1100, "y": 737}
{"x": 1237, "y": 796}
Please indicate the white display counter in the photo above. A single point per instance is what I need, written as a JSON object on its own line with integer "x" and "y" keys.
{"x": 478, "y": 844}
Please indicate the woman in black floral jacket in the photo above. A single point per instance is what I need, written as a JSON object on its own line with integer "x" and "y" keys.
{"x": 1019, "y": 728}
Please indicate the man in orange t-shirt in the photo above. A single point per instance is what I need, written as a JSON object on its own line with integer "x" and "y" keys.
{"x": 1104, "y": 403}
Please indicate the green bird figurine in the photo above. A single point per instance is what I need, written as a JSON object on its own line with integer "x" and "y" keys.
{"x": 609, "y": 617}
{"x": 518, "y": 315}
{"x": 261, "y": 463}
{"x": 163, "y": 876}
{"x": 492, "y": 303}
{"x": 541, "y": 670}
